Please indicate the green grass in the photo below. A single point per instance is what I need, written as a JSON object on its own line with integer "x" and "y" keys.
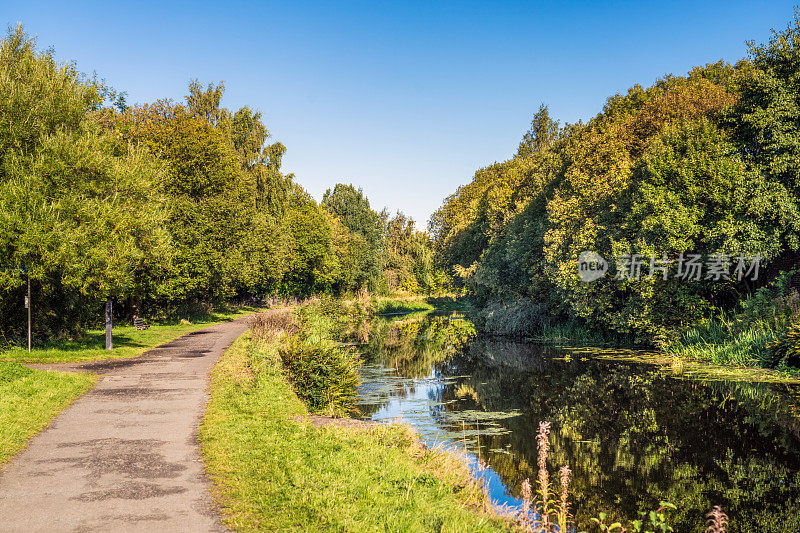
{"x": 274, "y": 471}
{"x": 716, "y": 343}
{"x": 579, "y": 335}
{"x": 29, "y": 399}
{"x": 388, "y": 305}
{"x": 128, "y": 342}
{"x": 409, "y": 304}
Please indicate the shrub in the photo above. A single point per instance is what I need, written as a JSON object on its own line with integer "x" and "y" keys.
{"x": 324, "y": 375}
{"x": 517, "y": 318}
{"x": 786, "y": 349}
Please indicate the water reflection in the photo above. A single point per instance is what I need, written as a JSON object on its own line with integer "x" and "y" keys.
{"x": 632, "y": 433}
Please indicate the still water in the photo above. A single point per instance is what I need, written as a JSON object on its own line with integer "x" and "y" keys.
{"x": 633, "y": 433}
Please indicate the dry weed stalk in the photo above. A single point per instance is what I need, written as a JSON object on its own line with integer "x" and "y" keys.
{"x": 563, "y": 513}
{"x": 543, "y": 443}
{"x": 267, "y": 325}
{"x": 526, "y": 500}
{"x": 716, "y": 520}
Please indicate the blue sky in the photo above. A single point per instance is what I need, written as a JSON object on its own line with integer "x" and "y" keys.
{"x": 404, "y": 99}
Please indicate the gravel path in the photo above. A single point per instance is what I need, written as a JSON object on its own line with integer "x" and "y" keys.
{"x": 124, "y": 456}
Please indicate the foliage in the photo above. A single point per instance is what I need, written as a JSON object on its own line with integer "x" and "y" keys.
{"x": 81, "y": 214}
{"x": 323, "y": 375}
{"x": 751, "y": 333}
{"x": 703, "y": 163}
{"x": 352, "y": 208}
{"x": 519, "y": 317}
{"x": 768, "y": 111}
{"x": 410, "y": 262}
{"x": 163, "y": 207}
{"x": 787, "y": 348}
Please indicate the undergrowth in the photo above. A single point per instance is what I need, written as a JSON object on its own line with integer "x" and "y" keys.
{"x": 761, "y": 332}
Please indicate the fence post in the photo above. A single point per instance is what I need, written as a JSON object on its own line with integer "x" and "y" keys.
{"x": 28, "y": 305}
{"x": 109, "y": 340}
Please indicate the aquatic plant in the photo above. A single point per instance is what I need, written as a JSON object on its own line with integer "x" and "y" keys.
{"x": 553, "y": 516}
{"x": 650, "y": 522}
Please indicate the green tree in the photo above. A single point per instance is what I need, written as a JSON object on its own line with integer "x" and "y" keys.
{"x": 352, "y": 208}
{"x": 77, "y": 208}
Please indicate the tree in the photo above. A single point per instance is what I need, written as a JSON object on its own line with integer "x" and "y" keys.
{"x": 352, "y": 208}
{"x": 77, "y": 208}
{"x": 767, "y": 116}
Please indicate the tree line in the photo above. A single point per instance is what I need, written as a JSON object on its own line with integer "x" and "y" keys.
{"x": 167, "y": 207}
{"x": 707, "y": 163}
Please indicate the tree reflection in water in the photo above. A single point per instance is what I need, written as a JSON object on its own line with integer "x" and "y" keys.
{"x": 632, "y": 433}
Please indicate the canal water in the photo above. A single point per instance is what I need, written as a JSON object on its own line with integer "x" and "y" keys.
{"x": 633, "y": 433}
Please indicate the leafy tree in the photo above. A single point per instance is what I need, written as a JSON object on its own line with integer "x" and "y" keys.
{"x": 767, "y": 117}
{"x": 700, "y": 163}
{"x": 76, "y": 208}
{"x": 410, "y": 261}
{"x": 352, "y": 208}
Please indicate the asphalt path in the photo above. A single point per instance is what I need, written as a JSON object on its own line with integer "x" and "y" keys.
{"x": 124, "y": 456}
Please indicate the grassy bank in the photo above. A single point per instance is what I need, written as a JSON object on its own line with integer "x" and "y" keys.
{"x": 128, "y": 341}
{"x": 387, "y": 306}
{"x": 29, "y": 399}
{"x": 275, "y": 470}
{"x": 410, "y": 304}
{"x": 761, "y": 332}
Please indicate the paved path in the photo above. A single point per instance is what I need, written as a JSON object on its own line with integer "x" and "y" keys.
{"x": 124, "y": 456}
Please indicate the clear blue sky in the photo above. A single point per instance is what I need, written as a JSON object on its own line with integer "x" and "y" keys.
{"x": 404, "y": 99}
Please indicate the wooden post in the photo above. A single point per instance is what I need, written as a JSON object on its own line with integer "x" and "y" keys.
{"x": 28, "y": 305}
{"x": 109, "y": 340}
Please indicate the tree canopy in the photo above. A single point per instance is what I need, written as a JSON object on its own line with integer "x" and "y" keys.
{"x": 705, "y": 163}
{"x": 162, "y": 206}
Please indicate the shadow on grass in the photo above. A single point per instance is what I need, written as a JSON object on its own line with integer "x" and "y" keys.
{"x": 93, "y": 341}
{"x": 127, "y": 340}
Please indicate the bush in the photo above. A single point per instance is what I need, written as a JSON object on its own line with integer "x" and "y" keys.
{"x": 787, "y": 348}
{"x": 324, "y": 375}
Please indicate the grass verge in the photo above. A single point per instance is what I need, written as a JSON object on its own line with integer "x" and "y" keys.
{"x": 29, "y": 399}
{"x": 386, "y": 305}
{"x": 274, "y": 470}
{"x": 128, "y": 341}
